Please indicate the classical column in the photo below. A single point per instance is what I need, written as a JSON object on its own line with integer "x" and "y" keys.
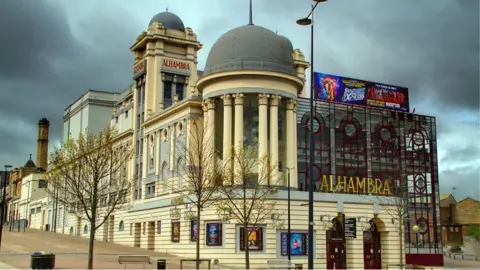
{"x": 172, "y": 147}
{"x": 274, "y": 100}
{"x": 238, "y": 121}
{"x": 144, "y": 157}
{"x": 238, "y": 140}
{"x": 263, "y": 169}
{"x": 290, "y": 141}
{"x": 210, "y": 128}
{"x": 227, "y": 130}
{"x": 157, "y": 152}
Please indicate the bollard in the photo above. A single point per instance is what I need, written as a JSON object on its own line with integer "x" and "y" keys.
{"x": 161, "y": 263}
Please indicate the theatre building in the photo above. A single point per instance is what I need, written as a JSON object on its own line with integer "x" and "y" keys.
{"x": 252, "y": 92}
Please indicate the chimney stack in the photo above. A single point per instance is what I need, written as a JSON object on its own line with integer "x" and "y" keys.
{"x": 42, "y": 147}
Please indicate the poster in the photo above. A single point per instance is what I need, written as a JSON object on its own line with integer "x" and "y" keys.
{"x": 254, "y": 239}
{"x": 333, "y": 88}
{"x": 176, "y": 231}
{"x": 298, "y": 244}
{"x": 193, "y": 230}
{"x": 214, "y": 234}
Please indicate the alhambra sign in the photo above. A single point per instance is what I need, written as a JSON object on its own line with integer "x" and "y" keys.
{"x": 354, "y": 185}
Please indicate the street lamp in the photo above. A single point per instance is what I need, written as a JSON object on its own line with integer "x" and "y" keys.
{"x": 4, "y": 200}
{"x": 288, "y": 217}
{"x": 309, "y": 21}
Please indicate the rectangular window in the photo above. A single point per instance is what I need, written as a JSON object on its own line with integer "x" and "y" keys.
{"x": 150, "y": 192}
{"x": 42, "y": 183}
{"x": 179, "y": 90}
{"x": 298, "y": 244}
{"x": 126, "y": 114}
{"x": 116, "y": 120}
{"x": 159, "y": 227}
{"x": 167, "y": 94}
{"x": 255, "y": 239}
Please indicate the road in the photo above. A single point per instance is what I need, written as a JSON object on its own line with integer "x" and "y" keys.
{"x": 71, "y": 251}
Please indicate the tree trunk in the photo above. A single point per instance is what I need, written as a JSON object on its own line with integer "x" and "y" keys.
{"x": 402, "y": 245}
{"x": 91, "y": 242}
{"x": 247, "y": 248}
{"x": 197, "y": 265}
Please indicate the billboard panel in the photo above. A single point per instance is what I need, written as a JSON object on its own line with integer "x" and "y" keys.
{"x": 333, "y": 88}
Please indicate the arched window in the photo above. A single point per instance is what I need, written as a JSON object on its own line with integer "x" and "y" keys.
{"x": 180, "y": 171}
{"x": 164, "y": 175}
{"x": 121, "y": 226}
{"x": 85, "y": 229}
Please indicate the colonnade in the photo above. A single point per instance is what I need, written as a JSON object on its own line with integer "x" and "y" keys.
{"x": 233, "y": 124}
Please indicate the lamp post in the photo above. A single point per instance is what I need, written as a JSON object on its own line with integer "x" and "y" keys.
{"x": 288, "y": 218}
{"x": 4, "y": 200}
{"x": 309, "y": 21}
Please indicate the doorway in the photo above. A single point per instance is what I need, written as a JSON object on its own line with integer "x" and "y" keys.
{"x": 105, "y": 230}
{"x": 151, "y": 235}
{"x": 111, "y": 228}
{"x": 336, "y": 251}
{"x": 79, "y": 225}
{"x": 42, "y": 223}
{"x": 137, "y": 234}
{"x": 372, "y": 251}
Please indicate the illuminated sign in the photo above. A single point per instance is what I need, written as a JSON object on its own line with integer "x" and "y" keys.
{"x": 140, "y": 69}
{"x": 354, "y": 184}
{"x": 344, "y": 90}
{"x": 176, "y": 64}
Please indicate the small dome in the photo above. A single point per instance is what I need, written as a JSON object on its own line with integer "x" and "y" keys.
{"x": 251, "y": 47}
{"x": 168, "y": 20}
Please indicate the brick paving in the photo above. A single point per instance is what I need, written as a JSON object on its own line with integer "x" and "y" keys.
{"x": 71, "y": 251}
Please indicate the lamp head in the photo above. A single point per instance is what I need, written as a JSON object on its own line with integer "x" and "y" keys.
{"x": 304, "y": 21}
{"x": 8, "y": 166}
{"x": 415, "y": 228}
{"x": 320, "y": 1}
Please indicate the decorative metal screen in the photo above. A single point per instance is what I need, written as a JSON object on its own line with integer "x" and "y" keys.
{"x": 397, "y": 148}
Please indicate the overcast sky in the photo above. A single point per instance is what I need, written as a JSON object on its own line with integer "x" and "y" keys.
{"x": 52, "y": 51}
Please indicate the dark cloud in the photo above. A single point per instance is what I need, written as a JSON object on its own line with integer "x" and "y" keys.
{"x": 48, "y": 59}
{"x": 45, "y": 66}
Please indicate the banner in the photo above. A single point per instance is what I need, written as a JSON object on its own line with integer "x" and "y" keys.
{"x": 332, "y": 88}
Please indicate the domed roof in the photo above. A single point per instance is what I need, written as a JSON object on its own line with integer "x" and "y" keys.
{"x": 251, "y": 47}
{"x": 168, "y": 20}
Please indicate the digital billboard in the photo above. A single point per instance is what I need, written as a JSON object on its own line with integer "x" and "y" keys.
{"x": 333, "y": 88}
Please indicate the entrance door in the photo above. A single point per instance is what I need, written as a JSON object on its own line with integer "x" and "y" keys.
{"x": 79, "y": 226}
{"x": 372, "y": 251}
{"x": 336, "y": 252}
{"x": 111, "y": 228}
{"x": 105, "y": 231}
{"x": 137, "y": 235}
{"x": 43, "y": 219}
{"x": 151, "y": 235}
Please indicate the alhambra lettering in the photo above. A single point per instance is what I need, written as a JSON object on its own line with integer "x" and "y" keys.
{"x": 354, "y": 184}
{"x": 176, "y": 64}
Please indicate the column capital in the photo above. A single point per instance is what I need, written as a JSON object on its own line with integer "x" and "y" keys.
{"x": 274, "y": 100}
{"x": 204, "y": 107}
{"x": 227, "y": 100}
{"x": 291, "y": 104}
{"x": 209, "y": 103}
{"x": 238, "y": 99}
{"x": 263, "y": 99}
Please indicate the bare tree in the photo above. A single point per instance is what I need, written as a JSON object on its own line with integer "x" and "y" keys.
{"x": 91, "y": 172}
{"x": 247, "y": 200}
{"x": 200, "y": 172}
{"x": 396, "y": 205}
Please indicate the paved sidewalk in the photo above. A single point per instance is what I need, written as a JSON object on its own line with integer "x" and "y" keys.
{"x": 451, "y": 263}
{"x": 71, "y": 251}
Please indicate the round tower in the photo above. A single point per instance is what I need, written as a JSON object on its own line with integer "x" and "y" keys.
{"x": 250, "y": 85}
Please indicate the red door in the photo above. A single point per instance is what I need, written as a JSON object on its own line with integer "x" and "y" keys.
{"x": 372, "y": 251}
{"x": 336, "y": 252}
